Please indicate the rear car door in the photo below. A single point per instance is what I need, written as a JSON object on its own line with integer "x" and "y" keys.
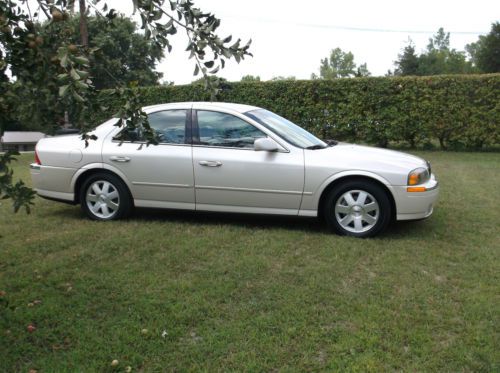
{"x": 158, "y": 175}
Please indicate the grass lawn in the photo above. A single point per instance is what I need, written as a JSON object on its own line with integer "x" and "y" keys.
{"x": 223, "y": 292}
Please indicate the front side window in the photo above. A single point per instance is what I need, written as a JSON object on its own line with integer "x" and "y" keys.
{"x": 287, "y": 130}
{"x": 220, "y": 129}
{"x": 169, "y": 126}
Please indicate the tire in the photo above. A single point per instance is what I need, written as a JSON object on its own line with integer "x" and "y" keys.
{"x": 105, "y": 197}
{"x": 357, "y": 208}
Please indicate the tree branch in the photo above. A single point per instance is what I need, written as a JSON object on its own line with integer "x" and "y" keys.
{"x": 43, "y": 8}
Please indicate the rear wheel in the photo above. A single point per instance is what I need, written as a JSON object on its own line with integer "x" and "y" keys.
{"x": 105, "y": 197}
{"x": 358, "y": 208}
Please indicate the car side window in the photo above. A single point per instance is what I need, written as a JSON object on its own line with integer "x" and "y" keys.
{"x": 169, "y": 125}
{"x": 221, "y": 129}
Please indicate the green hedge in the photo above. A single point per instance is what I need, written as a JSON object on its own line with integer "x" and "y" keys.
{"x": 455, "y": 111}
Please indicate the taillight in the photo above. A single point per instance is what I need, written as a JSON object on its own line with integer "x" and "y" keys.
{"x": 37, "y": 159}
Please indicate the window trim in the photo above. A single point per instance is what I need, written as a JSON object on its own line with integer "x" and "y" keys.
{"x": 188, "y": 130}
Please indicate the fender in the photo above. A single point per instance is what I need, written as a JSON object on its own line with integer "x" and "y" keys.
{"x": 319, "y": 191}
{"x": 99, "y": 166}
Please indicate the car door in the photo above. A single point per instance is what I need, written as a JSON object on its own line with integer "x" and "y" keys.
{"x": 158, "y": 175}
{"x": 231, "y": 176}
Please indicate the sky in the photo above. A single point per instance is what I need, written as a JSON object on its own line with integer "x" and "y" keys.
{"x": 290, "y": 37}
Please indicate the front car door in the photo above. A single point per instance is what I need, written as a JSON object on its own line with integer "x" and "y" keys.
{"x": 231, "y": 176}
{"x": 158, "y": 175}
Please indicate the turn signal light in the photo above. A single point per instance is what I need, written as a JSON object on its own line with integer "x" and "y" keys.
{"x": 413, "y": 179}
{"x": 416, "y": 189}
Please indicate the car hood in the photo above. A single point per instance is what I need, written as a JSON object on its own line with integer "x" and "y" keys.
{"x": 386, "y": 156}
{"x": 391, "y": 165}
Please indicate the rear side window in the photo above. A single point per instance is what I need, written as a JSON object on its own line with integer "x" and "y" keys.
{"x": 169, "y": 125}
{"x": 220, "y": 129}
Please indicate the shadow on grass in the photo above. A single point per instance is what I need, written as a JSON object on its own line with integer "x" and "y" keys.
{"x": 401, "y": 229}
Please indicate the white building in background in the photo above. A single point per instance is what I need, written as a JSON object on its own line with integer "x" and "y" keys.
{"x": 20, "y": 140}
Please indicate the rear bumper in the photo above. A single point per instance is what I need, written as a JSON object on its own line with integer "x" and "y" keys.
{"x": 52, "y": 182}
{"x": 416, "y": 205}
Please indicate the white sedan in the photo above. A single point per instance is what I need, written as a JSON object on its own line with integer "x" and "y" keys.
{"x": 234, "y": 158}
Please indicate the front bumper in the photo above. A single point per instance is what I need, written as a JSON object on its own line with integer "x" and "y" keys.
{"x": 416, "y": 205}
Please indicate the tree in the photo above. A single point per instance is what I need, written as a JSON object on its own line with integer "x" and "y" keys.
{"x": 61, "y": 75}
{"x": 485, "y": 53}
{"x": 281, "y": 77}
{"x": 128, "y": 55}
{"x": 407, "y": 63}
{"x": 340, "y": 64}
{"x": 250, "y": 78}
{"x": 438, "y": 58}
{"x": 362, "y": 71}
{"x": 440, "y": 41}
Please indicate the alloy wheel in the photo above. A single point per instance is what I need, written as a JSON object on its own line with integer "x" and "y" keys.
{"x": 103, "y": 199}
{"x": 357, "y": 211}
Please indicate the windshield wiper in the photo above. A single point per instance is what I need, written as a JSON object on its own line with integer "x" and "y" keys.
{"x": 314, "y": 147}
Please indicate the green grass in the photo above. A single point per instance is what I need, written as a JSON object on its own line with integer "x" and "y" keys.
{"x": 256, "y": 293}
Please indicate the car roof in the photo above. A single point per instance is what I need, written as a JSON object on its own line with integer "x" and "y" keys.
{"x": 240, "y": 108}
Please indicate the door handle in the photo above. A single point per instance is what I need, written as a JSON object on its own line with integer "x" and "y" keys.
{"x": 116, "y": 158}
{"x": 210, "y": 163}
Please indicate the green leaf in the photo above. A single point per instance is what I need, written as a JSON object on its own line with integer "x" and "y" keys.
{"x": 209, "y": 64}
{"x": 63, "y": 90}
{"x": 82, "y": 60}
{"x": 74, "y": 74}
{"x": 196, "y": 70}
{"x": 81, "y": 84}
{"x": 62, "y": 76}
{"x": 64, "y": 61}
{"x": 78, "y": 97}
{"x": 83, "y": 74}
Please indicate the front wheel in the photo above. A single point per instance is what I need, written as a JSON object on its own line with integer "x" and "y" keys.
{"x": 105, "y": 197}
{"x": 357, "y": 208}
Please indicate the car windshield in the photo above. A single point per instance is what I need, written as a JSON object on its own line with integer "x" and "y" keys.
{"x": 289, "y": 131}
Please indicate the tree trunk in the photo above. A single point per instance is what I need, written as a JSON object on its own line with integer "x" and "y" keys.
{"x": 442, "y": 142}
{"x": 84, "y": 32}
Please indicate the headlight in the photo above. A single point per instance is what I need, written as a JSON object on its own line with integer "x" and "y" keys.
{"x": 418, "y": 176}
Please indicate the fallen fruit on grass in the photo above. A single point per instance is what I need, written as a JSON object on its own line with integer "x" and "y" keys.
{"x": 114, "y": 363}
{"x": 30, "y": 304}
{"x": 144, "y": 331}
{"x": 128, "y": 369}
{"x": 31, "y": 328}
{"x": 2, "y": 293}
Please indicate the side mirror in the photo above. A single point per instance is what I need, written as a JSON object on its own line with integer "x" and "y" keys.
{"x": 265, "y": 144}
